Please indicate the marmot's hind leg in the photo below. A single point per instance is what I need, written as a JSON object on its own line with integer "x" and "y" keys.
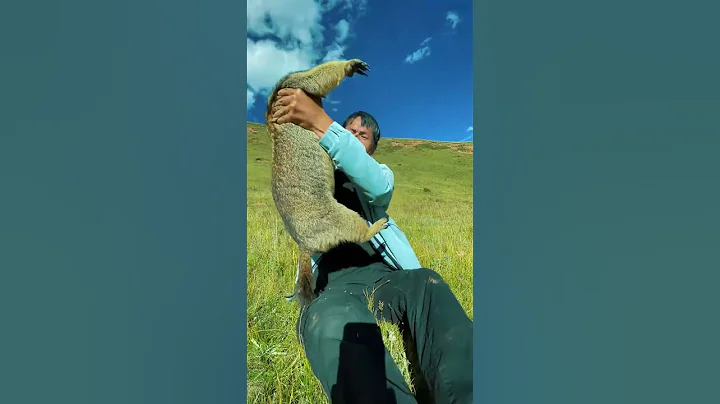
{"x": 375, "y": 229}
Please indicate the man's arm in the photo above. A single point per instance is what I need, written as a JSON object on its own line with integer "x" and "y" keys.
{"x": 375, "y": 180}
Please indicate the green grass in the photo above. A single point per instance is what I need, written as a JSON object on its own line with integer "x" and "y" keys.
{"x": 432, "y": 203}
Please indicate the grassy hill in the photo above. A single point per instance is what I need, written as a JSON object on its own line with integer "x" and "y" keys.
{"x": 432, "y": 203}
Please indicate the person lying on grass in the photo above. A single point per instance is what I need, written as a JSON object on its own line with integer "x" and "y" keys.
{"x": 340, "y": 336}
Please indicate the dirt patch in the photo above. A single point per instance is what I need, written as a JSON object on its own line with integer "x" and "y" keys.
{"x": 464, "y": 148}
{"x": 250, "y": 129}
{"x": 410, "y": 143}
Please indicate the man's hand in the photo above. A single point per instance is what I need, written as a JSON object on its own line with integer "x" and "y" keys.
{"x": 295, "y": 106}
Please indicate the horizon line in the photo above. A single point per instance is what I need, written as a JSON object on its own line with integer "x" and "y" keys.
{"x": 405, "y": 138}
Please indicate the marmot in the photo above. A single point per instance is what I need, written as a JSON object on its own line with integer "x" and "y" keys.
{"x": 303, "y": 183}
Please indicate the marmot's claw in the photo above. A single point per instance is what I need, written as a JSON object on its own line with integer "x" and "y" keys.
{"x": 357, "y": 66}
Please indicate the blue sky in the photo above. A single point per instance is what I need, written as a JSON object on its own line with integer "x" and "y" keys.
{"x": 419, "y": 53}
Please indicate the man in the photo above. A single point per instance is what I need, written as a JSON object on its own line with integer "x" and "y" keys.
{"x": 340, "y": 335}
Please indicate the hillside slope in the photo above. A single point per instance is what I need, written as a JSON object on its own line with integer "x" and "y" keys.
{"x": 444, "y": 170}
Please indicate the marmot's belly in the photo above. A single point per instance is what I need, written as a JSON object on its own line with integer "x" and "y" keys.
{"x": 303, "y": 197}
{"x": 305, "y": 200}
{"x": 302, "y": 180}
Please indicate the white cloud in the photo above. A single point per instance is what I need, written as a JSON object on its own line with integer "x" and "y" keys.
{"x": 342, "y": 28}
{"x": 453, "y": 18}
{"x": 334, "y": 52}
{"x": 359, "y": 6}
{"x": 268, "y": 62}
{"x": 330, "y": 4}
{"x": 421, "y": 53}
{"x": 286, "y": 36}
{"x": 418, "y": 55}
{"x": 469, "y": 129}
{"x": 297, "y": 21}
{"x": 250, "y": 99}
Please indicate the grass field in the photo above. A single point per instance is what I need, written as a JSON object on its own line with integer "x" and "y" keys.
{"x": 432, "y": 203}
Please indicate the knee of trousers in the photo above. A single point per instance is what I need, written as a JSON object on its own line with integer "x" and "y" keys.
{"x": 325, "y": 321}
{"x": 427, "y": 278}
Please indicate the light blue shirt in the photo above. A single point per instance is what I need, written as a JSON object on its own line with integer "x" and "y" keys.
{"x": 374, "y": 184}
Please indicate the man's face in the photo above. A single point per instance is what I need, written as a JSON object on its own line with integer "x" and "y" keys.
{"x": 363, "y": 134}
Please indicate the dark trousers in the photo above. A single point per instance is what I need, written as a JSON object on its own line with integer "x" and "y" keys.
{"x": 344, "y": 345}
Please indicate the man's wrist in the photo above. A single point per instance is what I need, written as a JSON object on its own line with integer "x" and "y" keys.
{"x": 322, "y": 124}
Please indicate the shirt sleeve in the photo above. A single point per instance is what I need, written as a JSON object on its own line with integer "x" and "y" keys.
{"x": 376, "y": 181}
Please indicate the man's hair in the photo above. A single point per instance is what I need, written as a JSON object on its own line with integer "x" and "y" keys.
{"x": 367, "y": 121}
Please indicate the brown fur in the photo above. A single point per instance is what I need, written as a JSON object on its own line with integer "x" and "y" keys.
{"x": 303, "y": 182}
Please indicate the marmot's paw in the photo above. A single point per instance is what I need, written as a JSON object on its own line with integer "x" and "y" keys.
{"x": 356, "y": 66}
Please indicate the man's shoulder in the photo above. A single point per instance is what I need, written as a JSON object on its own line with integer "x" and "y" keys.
{"x": 384, "y": 167}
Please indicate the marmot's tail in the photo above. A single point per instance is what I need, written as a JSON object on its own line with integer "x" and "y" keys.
{"x": 305, "y": 289}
